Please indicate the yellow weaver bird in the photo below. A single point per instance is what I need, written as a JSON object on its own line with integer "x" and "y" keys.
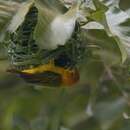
{"x": 53, "y": 73}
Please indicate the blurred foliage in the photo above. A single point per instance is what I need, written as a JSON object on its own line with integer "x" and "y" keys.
{"x": 100, "y": 101}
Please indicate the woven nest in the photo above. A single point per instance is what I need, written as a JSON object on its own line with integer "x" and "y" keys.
{"x": 25, "y": 53}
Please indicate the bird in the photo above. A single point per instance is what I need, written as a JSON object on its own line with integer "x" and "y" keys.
{"x": 57, "y": 72}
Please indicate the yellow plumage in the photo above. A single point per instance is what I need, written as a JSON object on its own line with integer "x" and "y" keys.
{"x": 68, "y": 76}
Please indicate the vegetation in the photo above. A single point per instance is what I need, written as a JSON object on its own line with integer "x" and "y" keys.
{"x": 101, "y": 38}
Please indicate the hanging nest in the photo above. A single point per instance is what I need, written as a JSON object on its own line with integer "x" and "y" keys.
{"x": 49, "y": 67}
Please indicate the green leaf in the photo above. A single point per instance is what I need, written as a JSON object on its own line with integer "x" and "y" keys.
{"x": 20, "y": 15}
{"x": 107, "y": 47}
{"x": 122, "y": 49}
{"x": 111, "y": 3}
{"x": 111, "y": 112}
{"x": 124, "y": 4}
{"x": 118, "y": 22}
{"x": 99, "y": 15}
{"x": 100, "y": 6}
{"x": 7, "y": 11}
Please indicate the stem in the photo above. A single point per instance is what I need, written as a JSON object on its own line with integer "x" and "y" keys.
{"x": 56, "y": 118}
